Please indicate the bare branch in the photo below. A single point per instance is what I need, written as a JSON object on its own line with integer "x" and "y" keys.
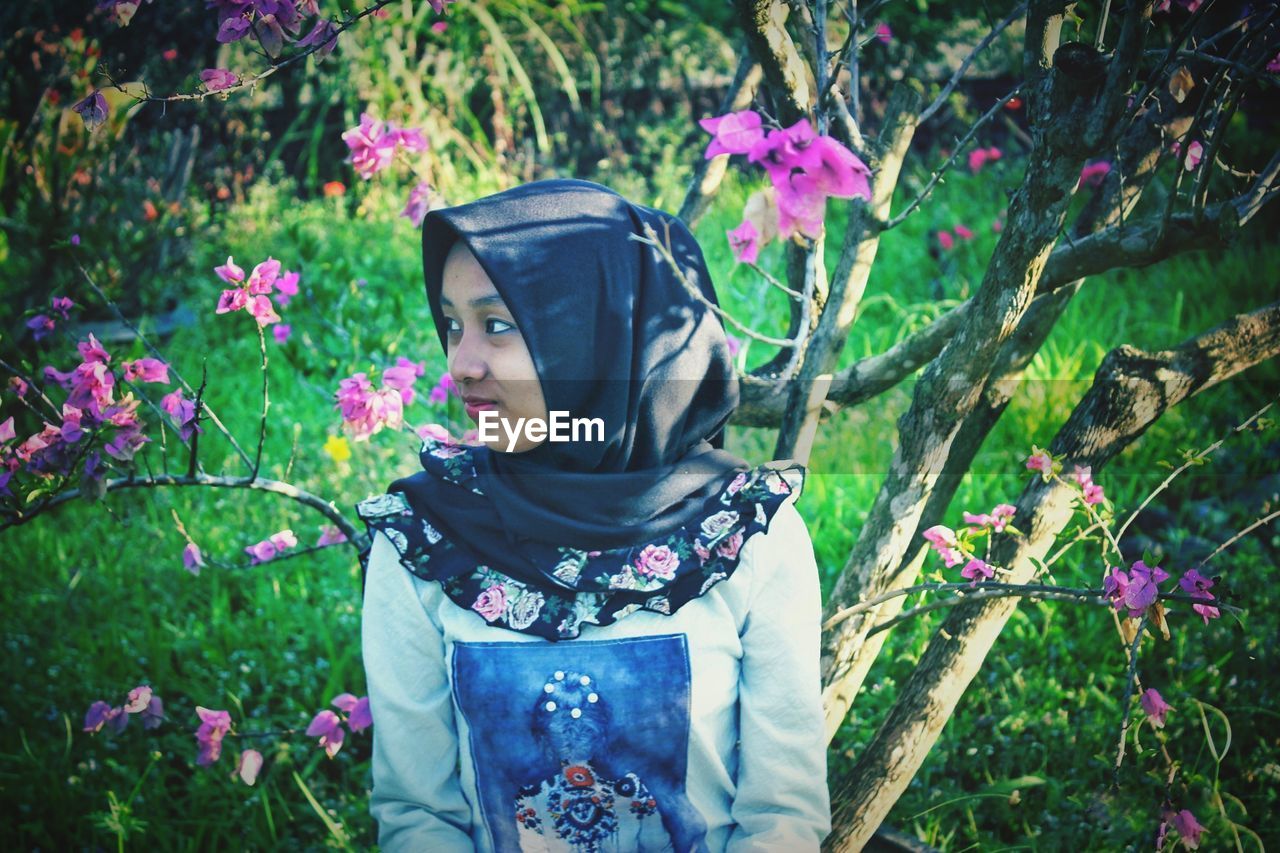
{"x": 939, "y": 101}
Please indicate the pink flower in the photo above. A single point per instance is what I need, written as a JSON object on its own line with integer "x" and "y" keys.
{"x": 286, "y": 288}
{"x": 945, "y": 240}
{"x": 284, "y": 540}
{"x": 729, "y": 546}
{"x": 943, "y": 540}
{"x": 734, "y": 133}
{"x": 402, "y": 376}
{"x": 963, "y": 232}
{"x": 364, "y": 411}
{"x": 214, "y": 725}
{"x": 182, "y": 412}
{"x": 800, "y": 213}
{"x": 192, "y": 559}
{"x": 7, "y": 432}
{"x": 139, "y": 699}
{"x": 1092, "y": 491}
{"x": 440, "y": 393}
{"x": 281, "y": 332}
{"x": 1093, "y": 173}
{"x": 63, "y": 306}
{"x": 1273, "y": 65}
{"x": 373, "y": 144}
{"x": 91, "y": 351}
{"x": 357, "y": 710}
{"x": 153, "y": 714}
{"x": 979, "y": 157}
{"x": 837, "y": 172}
{"x": 883, "y": 33}
{"x": 96, "y": 717}
{"x": 657, "y": 561}
{"x": 262, "y": 310}
{"x": 996, "y": 519}
{"x": 232, "y": 300}
{"x": 439, "y": 27}
{"x": 260, "y": 552}
{"x": 1189, "y": 829}
{"x": 323, "y": 34}
{"x": 997, "y": 226}
{"x": 1197, "y": 585}
{"x": 229, "y": 272}
{"x": 1195, "y": 151}
{"x": 418, "y": 205}
{"x": 330, "y": 535}
{"x": 18, "y": 386}
{"x": 783, "y": 151}
{"x": 263, "y": 278}
{"x": 146, "y": 370}
{"x": 40, "y": 325}
{"x": 491, "y": 603}
{"x": 743, "y": 243}
{"x": 1154, "y": 706}
{"x": 328, "y": 726}
{"x": 248, "y": 765}
{"x": 436, "y": 433}
{"x": 93, "y": 109}
{"x": 976, "y": 570}
{"x": 1041, "y": 461}
{"x": 1137, "y": 590}
{"x": 217, "y": 79}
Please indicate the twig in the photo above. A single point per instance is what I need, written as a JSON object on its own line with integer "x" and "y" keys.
{"x": 266, "y": 405}
{"x": 939, "y": 101}
{"x": 1243, "y": 533}
{"x": 937, "y": 176}
{"x": 1131, "y": 679}
{"x": 767, "y": 276}
{"x": 651, "y": 239}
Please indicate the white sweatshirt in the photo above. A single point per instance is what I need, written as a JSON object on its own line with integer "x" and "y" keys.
{"x": 701, "y": 730}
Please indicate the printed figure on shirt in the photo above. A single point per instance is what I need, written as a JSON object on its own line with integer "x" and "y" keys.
{"x": 578, "y": 808}
{"x": 600, "y": 765}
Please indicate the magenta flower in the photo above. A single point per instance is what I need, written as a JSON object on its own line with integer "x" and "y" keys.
{"x": 263, "y": 277}
{"x": 138, "y": 700}
{"x": 182, "y": 412}
{"x": 356, "y": 709}
{"x": 743, "y": 243}
{"x": 328, "y": 727}
{"x": 192, "y": 559}
{"x": 153, "y": 714}
{"x": 446, "y": 386}
{"x": 439, "y": 27}
{"x": 418, "y": 205}
{"x": 1092, "y": 491}
{"x": 146, "y": 370}
{"x": 883, "y": 33}
{"x": 230, "y": 272}
{"x": 1041, "y": 461}
{"x": 63, "y": 306}
{"x": 657, "y": 561}
{"x": 93, "y": 109}
{"x": 323, "y": 34}
{"x": 96, "y": 717}
{"x": 976, "y": 570}
{"x": 284, "y": 540}
{"x": 286, "y": 288}
{"x": 330, "y": 535}
{"x": 997, "y": 519}
{"x": 18, "y": 386}
{"x": 1197, "y": 585}
{"x": 1154, "y": 706}
{"x": 232, "y": 300}
{"x": 262, "y": 310}
{"x": 248, "y": 766}
{"x": 943, "y": 540}
{"x": 1092, "y": 174}
{"x": 373, "y": 144}
{"x": 40, "y": 325}
{"x": 281, "y": 332}
{"x": 1273, "y": 65}
{"x": 1189, "y": 829}
{"x": 733, "y": 133}
{"x": 800, "y": 213}
{"x": 1136, "y": 590}
{"x": 837, "y": 172}
{"x": 963, "y": 232}
{"x": 7, "y": 431}
{"x": 1195, "y": 151}
{"x": 233, "y": 29}
{"x": 260, "y": 552}
{"x": 214, "y": 725}
{"x": 366, "y": 412}
{"x": 217, "y": 79}
{"x": 945, "y": 240}
{"x": 783, "y": 151}
{"x": 402, "y": 376}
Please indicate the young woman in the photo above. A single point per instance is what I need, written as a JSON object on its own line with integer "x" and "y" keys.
{"x": 601, "y": 639}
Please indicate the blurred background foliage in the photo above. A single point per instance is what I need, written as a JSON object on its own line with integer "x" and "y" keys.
{"x": 511, "y": 91}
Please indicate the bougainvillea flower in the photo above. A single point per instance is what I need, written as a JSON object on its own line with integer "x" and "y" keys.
{"x": 733, "y": 133}
{"x": 358, "y": 716}
{"x": 217, "y": 79}
{"x": 322, "y": 34}
{"x": 1154, "y": 706}
{"x": 943, "y": 540}
{"x": 365, "y": 412}
{"x": 945, "y": 240}
{"x": 419, "y": 204}
{"x": 146, "y": 370}
{"x": 93, "y": 110}
{"x": 801, "y": 213}
{"x": 328, "y": 727}
{"x": 214, "y": 725}
{"x": 92, "y": 351}
{"x": 230, "y": 272}
{"x": 446, "y": 386}
{"x": 883, "y": 33}
{"x": 263, "y": 277}
{"x": 997, "y": 519}
{"x": 262, "y": 310}
{"x": 281, "y": 332}
{"x": 286, "y": 287}
{"x": 260, "y": 552}
{"x": 7, "y": 432}
{"x": 192, "y": 559}
{"x": 63, "y": 305}
{"x": 837, "y": 172}
{"x": 284, "y": 540}
{"x": 1135, "y": 590}
{"x": 96, "y": 717}
{"x": 1092, "y": 174}
{"x": 743, "y": 244}
{"x": 979, "y": 157}
{"x": 40, "y": 325}
{"x": 963, "y": 232}
{"x": 782, "y": 151}
{"x": 372, "y": 144}
{"x": 248, "y": 765}
{"x": 1273, "y": 65}
{"x": 233, "y": 29}
{"x": 976, "y": 570}
{"x": 1195, "y": 151}
{"x": 139, "y": 699}
{"x": 330, "y": 535}
{"x": 232, "y": 300}
{"x": 402, "y": 376}
{"x": 153, "y": 714}
{"x": 1197, "y": 586}
{"x": 1041, "y": 461}
{"x": 182, "y": 412}
{"x": 1189, "y": 829}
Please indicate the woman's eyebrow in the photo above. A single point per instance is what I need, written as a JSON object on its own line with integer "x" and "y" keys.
{"x": 479, "y": 301}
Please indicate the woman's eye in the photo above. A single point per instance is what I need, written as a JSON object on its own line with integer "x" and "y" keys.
{"x": 495, "y": 326}
{"x": 451, "y": 326}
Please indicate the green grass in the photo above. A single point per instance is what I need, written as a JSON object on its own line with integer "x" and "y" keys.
{"x": 97, "y": 601}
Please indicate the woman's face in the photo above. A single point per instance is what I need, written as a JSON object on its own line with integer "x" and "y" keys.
{"x": 487, "y": 355}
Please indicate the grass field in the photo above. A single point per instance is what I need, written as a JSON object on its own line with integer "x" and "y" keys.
{"x": 97, "y": 600}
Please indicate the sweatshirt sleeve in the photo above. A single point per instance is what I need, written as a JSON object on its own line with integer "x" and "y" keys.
{"x": 782, "y": 801}
{"x": 417, "y": 798}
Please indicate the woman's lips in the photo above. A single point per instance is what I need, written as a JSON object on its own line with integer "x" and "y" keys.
{"x": 475, "y": 407}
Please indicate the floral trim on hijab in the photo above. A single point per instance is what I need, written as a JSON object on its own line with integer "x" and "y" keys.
{"x": 584, "y": 587}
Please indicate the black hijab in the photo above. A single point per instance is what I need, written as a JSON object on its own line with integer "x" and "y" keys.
{"x": 614, "y": 334}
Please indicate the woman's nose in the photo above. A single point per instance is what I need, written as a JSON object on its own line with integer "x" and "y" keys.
{"x": 467, "y": 362}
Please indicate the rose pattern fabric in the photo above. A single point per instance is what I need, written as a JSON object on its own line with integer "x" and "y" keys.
{"x": 585, "y": 587}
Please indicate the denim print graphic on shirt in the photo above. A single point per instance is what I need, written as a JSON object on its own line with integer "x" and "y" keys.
{"x": 580, "y": 746}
